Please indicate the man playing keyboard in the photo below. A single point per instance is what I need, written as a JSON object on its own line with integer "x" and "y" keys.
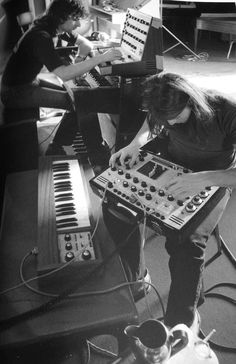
{"x": 21, "y": 88}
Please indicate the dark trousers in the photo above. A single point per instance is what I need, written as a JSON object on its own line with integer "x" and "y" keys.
{"x": 186, "y": 255}
{"x": 186, "y": 266}
{"x": 186, "y": 262}
{"x": 42, "y": 93}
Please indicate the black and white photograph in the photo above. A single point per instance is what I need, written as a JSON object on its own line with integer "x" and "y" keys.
{"x": 117, "y": 182}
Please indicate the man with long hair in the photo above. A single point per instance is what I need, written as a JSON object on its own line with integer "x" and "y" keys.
{"x": 21, "y": 88}
{"x": 198, "y": 130}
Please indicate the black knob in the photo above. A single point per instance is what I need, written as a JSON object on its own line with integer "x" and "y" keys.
{"x": 120, "y": 171}
{"x": 170, "y": 198}
{"x": 86, "y": 255}
{"x": 190, "y": 207}
{"x": 110, "y": 184}
{"x": 69, "y": 256}
{"x": 135, "y": 179}
{"x": 68, "y": 246}
{"x": 133, "y": 188}
{"x": 197, "y": 199}
{"x": 67, "y": 237}
{"x": 203, "y": 194}
{"x": 161, "y": 193}
{"x": 140, "y": 192}
{"x": 148, "y": 196}
{"x": 127, "y": 175}
{"x": 125, "y": 184}
{"x": 143, "y": 184}
{"x": 152, "y": 188}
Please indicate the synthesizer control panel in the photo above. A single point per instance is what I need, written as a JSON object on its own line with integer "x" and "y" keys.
{"x": 134, "y": 35}
{"x": 143, "y": 190}
{"x": 65, "y": 221}
{"x": 140, "y": 46}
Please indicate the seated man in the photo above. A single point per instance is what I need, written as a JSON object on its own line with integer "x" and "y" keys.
{"x": 200, "y": 129}
{"x": 21, "y": 88}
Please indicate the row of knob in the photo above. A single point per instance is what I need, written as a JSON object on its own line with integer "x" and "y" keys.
{"x": 137, "y": 29}
{"x": 86, "y": 254}
{"x": 141, "y": 21}
{"x": 190, "y": 207}
{"x": 130, "y": 44}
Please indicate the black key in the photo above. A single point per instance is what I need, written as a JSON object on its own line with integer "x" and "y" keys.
{"x": 62, "y": 189}
{"x": 69, "y": 204}
{"x": 70, "y": 219}
{"x": 60, "y": 168}
{"x": 62, "y": 184}
{"x": 61, "y": 209}
{"x": 64, "y": 199}
{"x": 62, "y": 174}
{"x": 66, "y": 213}
{"x": 71, "y": 224}
{"x": 61, "y": 177}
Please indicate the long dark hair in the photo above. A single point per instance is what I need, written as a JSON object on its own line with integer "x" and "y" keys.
{"x": 166, "y": 95}
{"x": 59, "y": 11}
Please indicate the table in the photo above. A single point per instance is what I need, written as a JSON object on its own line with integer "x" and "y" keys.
{"x": 225, "y": 25}
{"x": 179, "y": 42}
{"x": 77, "y": 317}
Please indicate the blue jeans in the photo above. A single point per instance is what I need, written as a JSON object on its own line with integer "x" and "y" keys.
{"x": 186, "y": 258}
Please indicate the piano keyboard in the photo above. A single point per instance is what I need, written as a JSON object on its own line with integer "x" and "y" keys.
{"x": 65, "y": 222}
{"x": 95, "y": 79}
{"x": 69, "y": 196}
{"x": 91, "y": 79}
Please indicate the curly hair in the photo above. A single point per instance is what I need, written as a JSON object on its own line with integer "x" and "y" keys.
{"x": 59, "y": 11}
{"x": 167, "y": 94}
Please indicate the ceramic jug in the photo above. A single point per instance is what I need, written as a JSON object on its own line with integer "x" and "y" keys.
{"x": 153, "y": 343}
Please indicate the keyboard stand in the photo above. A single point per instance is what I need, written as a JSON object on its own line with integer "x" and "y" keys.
{"x": 179, "y": 42}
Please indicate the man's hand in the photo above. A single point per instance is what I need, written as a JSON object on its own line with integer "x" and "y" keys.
{"x": 188, "y": 184}
{"x": 111, "y": 55}
{"x": 127, "y": 155}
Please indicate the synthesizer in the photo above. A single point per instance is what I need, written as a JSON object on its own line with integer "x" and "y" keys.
{"x": 91, "y": 79}
{"x": 65, "y": 222}
{"x": 141, "y": 190}
{"x": 141, "y": 47}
